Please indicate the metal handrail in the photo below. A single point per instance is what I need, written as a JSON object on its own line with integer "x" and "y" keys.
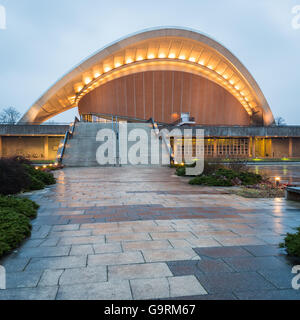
{"x": 167, "y": 145}
{"x": 69, "y": 134}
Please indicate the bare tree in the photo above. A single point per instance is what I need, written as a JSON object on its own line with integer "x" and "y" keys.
{"x": 279, "y": 121}
{"x": 9, "y": 115}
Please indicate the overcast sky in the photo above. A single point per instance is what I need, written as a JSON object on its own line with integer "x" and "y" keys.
{"x": 44, "y": 39}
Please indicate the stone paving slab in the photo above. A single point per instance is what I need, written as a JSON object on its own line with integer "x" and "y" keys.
{"x": 139, "y": 271}
{"x": 57, "y": 263}
{"x": 119, "y": 290}
{"x": 106, "y": 259}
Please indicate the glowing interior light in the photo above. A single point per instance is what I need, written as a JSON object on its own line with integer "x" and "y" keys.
{"x": 107, "y": 69}
{"x": 237, "y": 87}
{"x": 225, "y": 76}
{"x": 182, "y": 57}
{"x": 118, "y": 64}
{"x": 129, "y": 60}
{"x": 210, "y": 67}
{"x": 151, "y": 56}
{"x": 87, "y": 80}
{"x": 246, "y": 99}
{"x": 192, "y": 59}
{"x": 140, "y": 58}
{"x": 201, "y": 62}
{"x": 172, "y": 56}
{"x": 162, "y": 55}
{"x": 97, "y": 75}
{"x": 79, "y": 88}
{"x": 242, "y": 93}
{"x": 231, "y": 81}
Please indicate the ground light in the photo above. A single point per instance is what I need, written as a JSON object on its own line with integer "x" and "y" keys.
{"x": 277, "y": 181}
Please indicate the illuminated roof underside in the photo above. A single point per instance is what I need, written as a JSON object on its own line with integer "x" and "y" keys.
{"x": 161, "y": 49}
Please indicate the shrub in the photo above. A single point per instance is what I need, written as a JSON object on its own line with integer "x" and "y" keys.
{"x": 17, "y": 175}
{"x": 226, "y": 178}
{"x": 14, "y": 228}
{"x": 22, "y": 206}
{"x": 35, "y": 184}
{"x": 212, "y": 180}
{"x": 250, "y": 178}
{"x": 46, "y": 178}
{"x": 13, "y": 177}
{"x": 180, "y": 171}
{"x": 292, "y": 243}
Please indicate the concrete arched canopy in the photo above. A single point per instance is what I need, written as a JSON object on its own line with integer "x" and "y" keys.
{"x": 155, "y": 49}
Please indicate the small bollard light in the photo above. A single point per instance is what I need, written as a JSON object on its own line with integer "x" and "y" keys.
{"x": 277, "y": 181}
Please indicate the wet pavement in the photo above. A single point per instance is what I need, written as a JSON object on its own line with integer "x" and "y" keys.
{"x": 289, "y": 173}
{"x": 142, "y": 233}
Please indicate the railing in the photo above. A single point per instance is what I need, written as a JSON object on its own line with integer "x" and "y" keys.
{"x": 165, "y": 141}
{"x": 62, "y": 146}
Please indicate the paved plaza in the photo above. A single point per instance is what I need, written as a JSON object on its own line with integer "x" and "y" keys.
{"x": 144, "y": 233}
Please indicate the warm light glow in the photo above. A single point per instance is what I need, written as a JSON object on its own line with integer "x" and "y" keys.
{"x": 151, "y": 56}
{"x": 140, "y": 58}
{"x": 210, "y": 67}
{"x": 231, "y": 81}
{"x": 129, "y": 60}
{"x": 237, "y": 87}
{"x": 172, "y": 56}
{"x": 79, "y": 89}
{"x": 97, "y": 75}
{"x": 118, "y": 64}
{"x": 201, "y": 62}
{"x": 192, "y": 59}
{"x": 87, "y": 80}
{"x": 225, "y": 77}
{"x": 277, "y": 179}
{"x": 162, "y": 56}
{"x": 107, "y": 69}
{"x": 36, "y": 168}
{"x": 182, "y": 57}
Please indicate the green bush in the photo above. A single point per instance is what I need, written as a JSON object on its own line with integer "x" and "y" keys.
{"x": 292, "y": 243}
{"x": 249, "y": 178}
{"x": 226, "y": 177}
{"x": 14, "y": 228}
{"x": 212, "y": 180}
{"x": 23, "y": 206}
{"x": 35, "y": 184}
{"x": 15, "y": 215}
{"x": 45, "y": 177}
{"x": 13, "y": 177}
{"x": 17, "y": 175}
{"x": 180, "y": 171}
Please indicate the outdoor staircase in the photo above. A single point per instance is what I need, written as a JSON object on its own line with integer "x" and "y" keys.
{"x": 81, "y": 148}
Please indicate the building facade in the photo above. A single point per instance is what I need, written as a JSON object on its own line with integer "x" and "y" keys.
{"x": 161, "y": 74}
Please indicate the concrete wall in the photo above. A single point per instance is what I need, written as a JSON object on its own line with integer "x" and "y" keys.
{"x": 33, "y": 148}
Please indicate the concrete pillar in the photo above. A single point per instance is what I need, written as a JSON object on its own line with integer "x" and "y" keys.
{"x": 290, "y": 147}
{"x": 250, "y": 147}
{"x": 253, "y": 148}
{"x": 215, "y": 148}
{"x": 46, "y": 148}
{"x": 1, "y": 147}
